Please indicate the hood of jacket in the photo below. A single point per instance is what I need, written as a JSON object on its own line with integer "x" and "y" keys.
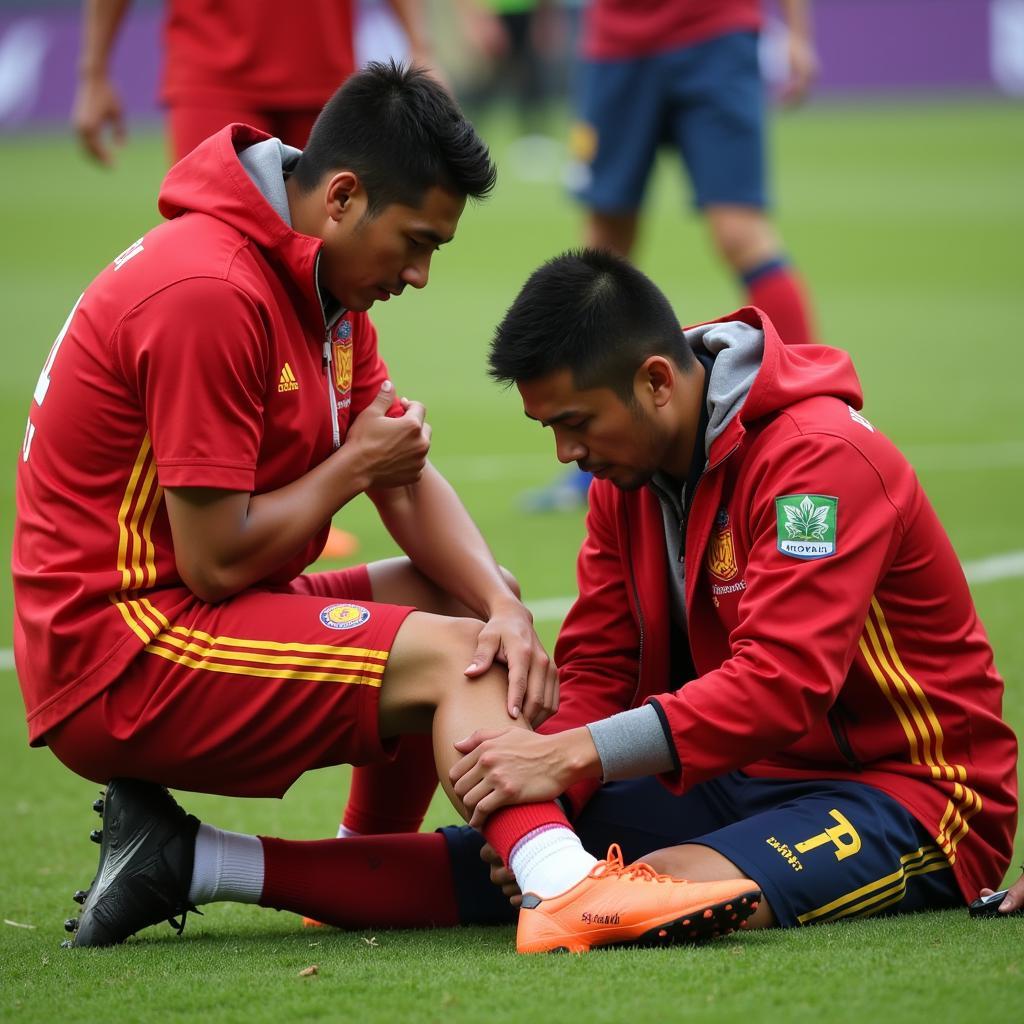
{"x": 755, "y": 375}
{"x": 216, "y": 179}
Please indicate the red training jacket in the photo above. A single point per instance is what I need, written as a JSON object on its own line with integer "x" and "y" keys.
{"x": 868, "y": 663}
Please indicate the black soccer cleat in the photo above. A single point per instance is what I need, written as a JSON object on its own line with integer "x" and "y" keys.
{"x": 147, "y": 846}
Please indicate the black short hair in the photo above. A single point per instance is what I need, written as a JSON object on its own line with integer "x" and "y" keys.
{"x": 591, "y": 313}
{"x": 402, "y": 133}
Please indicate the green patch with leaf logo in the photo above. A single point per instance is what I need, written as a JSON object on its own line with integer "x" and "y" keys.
{"x": 806, "y": 525}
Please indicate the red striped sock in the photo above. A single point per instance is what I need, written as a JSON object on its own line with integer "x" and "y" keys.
{"x": 777, "y": 289}
{"x": 402, "y": 881}
{"x": 506, "y": 826}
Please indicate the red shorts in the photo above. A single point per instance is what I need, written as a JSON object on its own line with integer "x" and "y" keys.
{"x": 190, "y": 124}
{"x": 241, "y": 698}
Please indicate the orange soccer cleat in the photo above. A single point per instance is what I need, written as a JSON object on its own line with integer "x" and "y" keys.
{"x": 619, "y": 905}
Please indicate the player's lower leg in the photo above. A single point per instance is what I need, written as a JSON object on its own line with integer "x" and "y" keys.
{"x": 748, "y": 243}
{"x": 775, "y": 287}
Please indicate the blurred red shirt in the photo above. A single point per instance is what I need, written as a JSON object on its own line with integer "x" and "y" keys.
{"x": 259, "y": 52}
{"x": 620, "y": 29}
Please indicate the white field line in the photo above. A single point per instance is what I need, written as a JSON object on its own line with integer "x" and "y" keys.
{"x": 553, "y": 609}
{"x": 966, "y": 456}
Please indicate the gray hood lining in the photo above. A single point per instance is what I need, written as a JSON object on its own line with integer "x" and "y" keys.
{"x": 267, "y": 163}
{"x": 738, "y": 350}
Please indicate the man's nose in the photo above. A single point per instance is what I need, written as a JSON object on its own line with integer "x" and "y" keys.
{"x": 569, "y": 450}
{"x": 417, "y": 273}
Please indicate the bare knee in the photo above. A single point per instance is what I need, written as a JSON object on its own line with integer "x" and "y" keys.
{"x": 427, "y": 666}
{"x": 702, "y": 864}
{"x": 511, "y": 582}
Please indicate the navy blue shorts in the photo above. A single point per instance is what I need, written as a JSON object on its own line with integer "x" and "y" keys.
{"x": 707, "y": 100}
{"x": 823, "y": 850}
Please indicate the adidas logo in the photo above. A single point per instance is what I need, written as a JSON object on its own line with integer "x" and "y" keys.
{"x": 287, "y": 381}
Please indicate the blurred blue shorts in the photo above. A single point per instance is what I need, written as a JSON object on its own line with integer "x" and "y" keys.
{"x": 707, "y": 100}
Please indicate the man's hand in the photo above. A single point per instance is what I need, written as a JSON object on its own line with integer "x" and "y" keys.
{"x": 1013, "y": 900}
{"x": 501, "y": 876}
{"x": 803, "y": 69}
{"x": 97, "y": 107}
{"x": 514, "y": 766}
{"x": 392, "y": 449}
{"x": 508, "y": 636}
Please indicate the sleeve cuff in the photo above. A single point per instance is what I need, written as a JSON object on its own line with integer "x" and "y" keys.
{"x": 632, "y": 744}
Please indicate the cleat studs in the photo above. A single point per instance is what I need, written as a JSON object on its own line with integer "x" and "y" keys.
{"x": 662, "y": 933}
{"x": 754, "y": 905}
{"x": 80, "y": 895}
{"x": 71, "y": 924}
{"x": 97, "y": 806}
{"x": 709, "y": 912}
{"x": 96, "y": 835}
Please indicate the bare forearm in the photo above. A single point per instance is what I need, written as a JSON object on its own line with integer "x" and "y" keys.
{"x": 432, "y": 526}
{"x": 797, "y": 16}
{"x": 101, "y": 21}
{"x": 410, "y": 15}
{"x": 249, "y": 537}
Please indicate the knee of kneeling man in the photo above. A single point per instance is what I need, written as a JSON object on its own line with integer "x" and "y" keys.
{"x": 513, "y": 583}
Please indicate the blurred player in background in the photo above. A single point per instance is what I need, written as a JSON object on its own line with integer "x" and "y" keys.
{"x": 685, "y": 73}
{"x": 255, "y": 62}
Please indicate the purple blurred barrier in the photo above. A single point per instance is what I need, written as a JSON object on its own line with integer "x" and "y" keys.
{"x": 39, "y": 55}
{"x": 865, "y": 46}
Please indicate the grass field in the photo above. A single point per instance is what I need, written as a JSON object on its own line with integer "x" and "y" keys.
{"x": 907, "y": 223}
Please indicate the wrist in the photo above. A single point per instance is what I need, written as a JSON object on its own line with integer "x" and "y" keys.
{"x": 503, "y": 600}
{"x": 92, "y": 71}
{"x": 357, "y": 476}
{"x": 582, "y": 758}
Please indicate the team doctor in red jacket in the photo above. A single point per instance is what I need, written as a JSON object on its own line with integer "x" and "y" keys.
{"x": 771, "y": 619}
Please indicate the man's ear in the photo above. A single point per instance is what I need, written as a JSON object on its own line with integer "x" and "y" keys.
{"x": 656, "y": 378}
{"x": 343, "y": 192}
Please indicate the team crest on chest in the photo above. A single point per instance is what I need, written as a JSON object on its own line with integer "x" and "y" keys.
{"x": 344, "y": 616}
{"x": 342, "y": 357}
{"x": 721, "y": 556}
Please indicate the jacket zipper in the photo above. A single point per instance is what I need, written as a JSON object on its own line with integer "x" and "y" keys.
{"x": 684, "y": 518}
{"x": 639, "y": 609}
{"x": 327, "y": 357}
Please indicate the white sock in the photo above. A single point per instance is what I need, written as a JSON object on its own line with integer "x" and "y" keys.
{"x": 347, "y": 833}
{"x": 549, "y": 861}
{"x": 228, "y": 867}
